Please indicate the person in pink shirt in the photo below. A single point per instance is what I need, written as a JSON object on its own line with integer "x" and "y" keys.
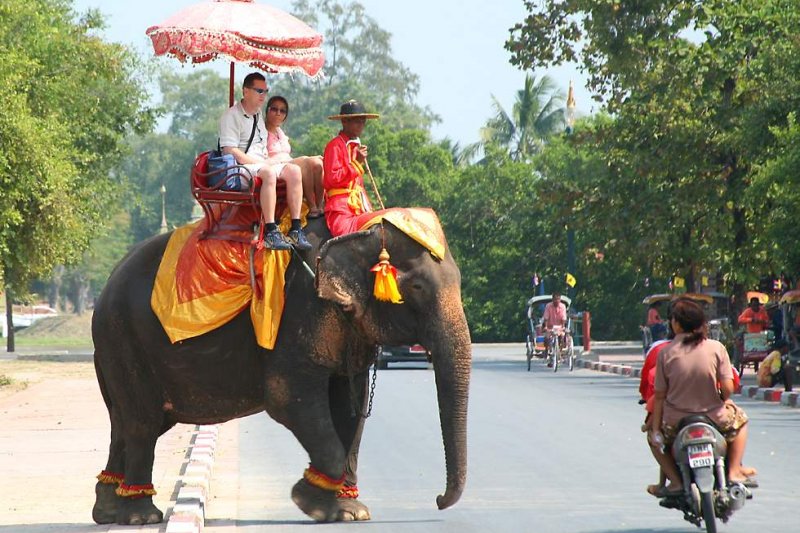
{"x": 279, "y": 152}
{"x": 555, "y": 314}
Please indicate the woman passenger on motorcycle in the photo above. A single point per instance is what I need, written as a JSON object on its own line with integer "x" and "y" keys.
{"x": 694, "y": 377}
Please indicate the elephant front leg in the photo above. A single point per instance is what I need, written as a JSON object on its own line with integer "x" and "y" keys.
{"x": 304, "y": 409}
{"x": 348, "y": 400}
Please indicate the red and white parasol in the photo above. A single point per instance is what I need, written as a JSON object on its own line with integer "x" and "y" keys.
{"x": 243, "y": 31}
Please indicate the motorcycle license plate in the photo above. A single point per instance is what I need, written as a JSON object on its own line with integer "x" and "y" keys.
{"x": 701, "y": 455}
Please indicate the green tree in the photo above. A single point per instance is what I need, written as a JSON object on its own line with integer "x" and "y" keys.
{"x": 689, "y": 86}
{"x": 500, "y": 235}
{"x": 537, "y": 114}
{"x": 70, "y": 100}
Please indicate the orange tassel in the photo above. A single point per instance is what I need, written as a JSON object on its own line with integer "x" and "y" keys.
{"x": 386, "y": 280}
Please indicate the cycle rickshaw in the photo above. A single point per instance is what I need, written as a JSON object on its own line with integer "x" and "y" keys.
{"x": 535, "y": 345}
{"x": 751, "y": 348}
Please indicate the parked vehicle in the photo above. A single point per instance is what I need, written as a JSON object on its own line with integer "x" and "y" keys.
{"x": 26, "y": 315}
{"x": 534, "y": 339}
{"x": 398, "y": 354}
{"x": 716, "y": 306}
{"x": 699, "y": 452}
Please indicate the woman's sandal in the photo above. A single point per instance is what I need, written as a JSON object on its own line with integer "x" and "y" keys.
{"x": 661, "y": 491}
{"x": 748, "y": 482}
{"x": 315, "y": 214}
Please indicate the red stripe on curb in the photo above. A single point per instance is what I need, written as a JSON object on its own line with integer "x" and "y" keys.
{"x": 772, "y": 395}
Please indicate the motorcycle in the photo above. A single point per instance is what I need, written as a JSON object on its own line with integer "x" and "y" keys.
{"x": 699, "y": 452}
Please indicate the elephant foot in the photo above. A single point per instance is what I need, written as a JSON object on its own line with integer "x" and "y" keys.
{"x": 351, "y": 510}
{"x": 320, "y": 504}
{"x": 105, "y": 504}
{"x": 138, "y": 512}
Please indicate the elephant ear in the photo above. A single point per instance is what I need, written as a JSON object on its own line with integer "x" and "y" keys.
{"x": 343, "y": 265}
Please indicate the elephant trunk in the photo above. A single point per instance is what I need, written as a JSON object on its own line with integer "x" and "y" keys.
{"x": 451, "y": 352}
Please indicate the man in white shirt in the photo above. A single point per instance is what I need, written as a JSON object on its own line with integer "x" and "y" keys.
{"x": 236, "y": 129}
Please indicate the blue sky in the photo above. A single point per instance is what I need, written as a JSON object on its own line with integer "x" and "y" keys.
{"x": 454, "y": 46}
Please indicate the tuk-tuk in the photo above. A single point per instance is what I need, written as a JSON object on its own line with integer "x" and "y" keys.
{"x": 751, "y": 348}
{"x": 534, "y": 340}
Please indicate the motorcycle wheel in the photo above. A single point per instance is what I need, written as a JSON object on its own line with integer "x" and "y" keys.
{"x": 707, "y": 505}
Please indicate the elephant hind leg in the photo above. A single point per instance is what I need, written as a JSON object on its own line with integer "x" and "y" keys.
{"x": 106, "y": 499}
{"x": 136, "y": 506}
{"x": 137, "y": 420}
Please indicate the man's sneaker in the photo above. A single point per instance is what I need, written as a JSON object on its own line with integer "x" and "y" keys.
{"x": 274, "y": 240}
{"x": 298, "y": 238}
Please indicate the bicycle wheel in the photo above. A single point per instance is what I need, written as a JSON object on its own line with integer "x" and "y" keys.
{"x": 570, "y": 352}
{"x": 529, "y": 351}
{"x": 556, "y": 344}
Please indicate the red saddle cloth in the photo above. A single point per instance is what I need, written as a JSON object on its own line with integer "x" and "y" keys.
{"x": 202, "y": 284}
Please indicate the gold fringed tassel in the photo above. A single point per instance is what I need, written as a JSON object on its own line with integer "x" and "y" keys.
{"x": 110, "y": 478}
{"x": 320, "y": 480}
{"x": 386, "y": 280}
{"x": 348, "y": 493}
{"x": 135, "y": 491}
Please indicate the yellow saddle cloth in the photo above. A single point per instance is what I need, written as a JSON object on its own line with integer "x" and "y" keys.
{"x": 202, "y": 284}
{"x": 419, "y": 223}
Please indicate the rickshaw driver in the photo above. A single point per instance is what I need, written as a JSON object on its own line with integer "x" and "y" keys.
{"x": 555, "y": 314}
{"x": 754, "y": 317}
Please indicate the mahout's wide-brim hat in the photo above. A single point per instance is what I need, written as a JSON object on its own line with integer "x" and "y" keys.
{"x": 353, "y": 109}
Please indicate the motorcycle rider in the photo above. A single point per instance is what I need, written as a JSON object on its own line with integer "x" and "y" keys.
{"x": 687, "y": 376}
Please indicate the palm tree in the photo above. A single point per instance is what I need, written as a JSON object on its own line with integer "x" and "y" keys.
{"x": 538, "y": 113}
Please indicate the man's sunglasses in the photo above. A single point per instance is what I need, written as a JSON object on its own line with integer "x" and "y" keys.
{"x": 258, "y": 90}
{"x": 278, "y": 110}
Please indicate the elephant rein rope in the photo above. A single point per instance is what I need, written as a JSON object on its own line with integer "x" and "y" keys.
{"x": 374, "y": 185}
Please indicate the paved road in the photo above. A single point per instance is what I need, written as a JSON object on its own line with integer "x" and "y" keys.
{"x": 548, "y": 453}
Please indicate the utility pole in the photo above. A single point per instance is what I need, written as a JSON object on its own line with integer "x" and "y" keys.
{"x": 163, "y": 229}
{"x": 570, "y": 118}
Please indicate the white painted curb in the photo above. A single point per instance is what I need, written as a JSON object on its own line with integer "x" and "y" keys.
{"x": 188, "y": 514}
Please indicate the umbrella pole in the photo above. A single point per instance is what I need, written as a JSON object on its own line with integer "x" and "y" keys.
{"x": 230, "y": 91}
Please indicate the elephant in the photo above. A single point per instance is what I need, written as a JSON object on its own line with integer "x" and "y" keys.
{"x": 314, "y": 381}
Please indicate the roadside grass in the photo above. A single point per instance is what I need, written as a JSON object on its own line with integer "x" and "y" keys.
{"x": 5, "y": 381}
{"x": 48, "y": 341}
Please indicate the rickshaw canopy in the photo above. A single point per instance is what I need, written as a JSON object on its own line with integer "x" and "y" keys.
{"x": 655, "y": 298}
{"x": 762, "y": 298}
{"x": 791, "y": 297}
{"x": 544, "y": 298}
{"x": 697, "y": 297}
